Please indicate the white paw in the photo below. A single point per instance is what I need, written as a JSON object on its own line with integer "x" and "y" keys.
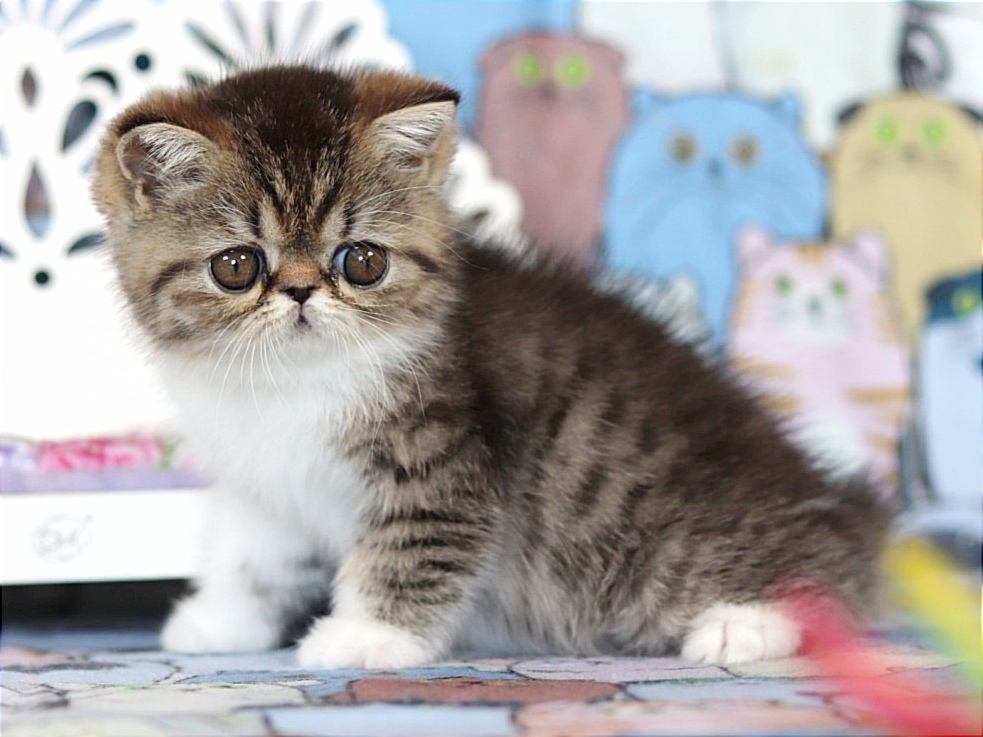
{"x": 337, "y": 642}
{"x": 201, "y": 624}
{"x": 741, "y": 633}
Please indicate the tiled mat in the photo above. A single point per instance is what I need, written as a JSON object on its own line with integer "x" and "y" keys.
{"x": 53, "y": 685}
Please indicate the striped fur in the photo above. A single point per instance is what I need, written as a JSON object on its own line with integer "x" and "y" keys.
{"x": 472, "y": 452}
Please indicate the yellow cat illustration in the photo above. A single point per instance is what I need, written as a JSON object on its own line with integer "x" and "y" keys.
{"x": 912, "y": 168}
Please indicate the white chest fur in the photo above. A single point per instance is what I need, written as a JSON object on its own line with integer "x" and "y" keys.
{"x": 277, "y": 444}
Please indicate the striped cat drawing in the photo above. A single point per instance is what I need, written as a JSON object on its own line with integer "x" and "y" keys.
{"x": 816, "y": 332}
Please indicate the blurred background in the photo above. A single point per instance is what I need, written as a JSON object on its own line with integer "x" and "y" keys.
{"x": 795, "y": 187}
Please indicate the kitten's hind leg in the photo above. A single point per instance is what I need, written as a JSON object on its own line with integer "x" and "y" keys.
{"x": 256, "y": 579}
{"x": 741, "y": 633}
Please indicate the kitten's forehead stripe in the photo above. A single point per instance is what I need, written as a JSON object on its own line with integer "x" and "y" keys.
{"x": 349, "y": 220}
{"x": 268, "y": 183}
{"x": 253, "y": 218}
{"x": 270, "y": 102}
{"x": 329, "y": 200}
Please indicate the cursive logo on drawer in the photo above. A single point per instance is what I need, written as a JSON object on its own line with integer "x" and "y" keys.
{"x": 63, "y": 537}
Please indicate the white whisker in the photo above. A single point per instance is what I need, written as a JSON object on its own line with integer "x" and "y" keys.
{"x": 218, "y": 362}
{"x": 390, "y": 192}
{"x": 265, "y": 344}
{"x": 253, "y": 344}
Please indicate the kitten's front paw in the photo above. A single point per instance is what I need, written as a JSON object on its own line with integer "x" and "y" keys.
{"x": 741, "y": 633}
{"x": 202, "y": 625}
{"x": 337, "y": 642}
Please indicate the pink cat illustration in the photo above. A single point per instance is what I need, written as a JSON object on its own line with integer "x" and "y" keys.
{"x": 552, "y": 108}
{"x": 816, "y": 332}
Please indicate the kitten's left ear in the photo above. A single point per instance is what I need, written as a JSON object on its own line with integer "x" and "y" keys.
{"x": 412, "y": 136}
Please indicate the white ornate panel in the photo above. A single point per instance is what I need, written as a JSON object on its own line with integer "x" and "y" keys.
{"x": 68, "y": 66}
{"x": 491, "y": 207}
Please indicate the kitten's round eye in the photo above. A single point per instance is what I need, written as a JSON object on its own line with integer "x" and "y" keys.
{"x": 838, "y": 287}
{"x": 744, "y": 150}
{"x": 683, "y": 148}
{"x": 887, "y": 131}
{"x": 783, "y": 284}
{"x": 362, "y": 264}
{"x": 237, "y": 269}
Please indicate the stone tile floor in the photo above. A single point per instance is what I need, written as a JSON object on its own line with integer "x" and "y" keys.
{"x": 104, "y": 681}
{"x": 83, "y": 661}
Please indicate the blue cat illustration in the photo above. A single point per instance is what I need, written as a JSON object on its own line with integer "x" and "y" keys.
{"x": 950, "y": 392}
{"x": 692, "y": 171}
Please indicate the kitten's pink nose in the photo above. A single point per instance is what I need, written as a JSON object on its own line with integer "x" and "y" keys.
{"x": 300, "y": 294}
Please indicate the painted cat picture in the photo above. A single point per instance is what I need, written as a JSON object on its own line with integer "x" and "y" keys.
{"x": 950, "y": 393}
{"x": 912, "y": 167}
{"x": 552, "y": 108}
{"x": 816, "y": 331}
{"x": 691, "y": 171}
{"x": 422, "y": 444}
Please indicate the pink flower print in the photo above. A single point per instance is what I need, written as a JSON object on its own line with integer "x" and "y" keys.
{"x": 134, "y": 451}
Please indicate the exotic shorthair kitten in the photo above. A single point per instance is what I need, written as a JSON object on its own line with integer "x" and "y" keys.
{"x": 439, "y": 446}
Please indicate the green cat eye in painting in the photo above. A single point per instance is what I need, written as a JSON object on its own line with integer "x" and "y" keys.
{"x": 783, "y": 284}
{"x": 934, "y": 132}
{"x": 572, "y": 71}
{"x": 965, "y": 301}
{"x": 887, "y": 132}
{"x": 528, "y": 69}
{"x": 838, "y": 287}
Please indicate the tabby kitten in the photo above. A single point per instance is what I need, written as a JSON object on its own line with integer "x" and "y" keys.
{"x": 444, "y": 447}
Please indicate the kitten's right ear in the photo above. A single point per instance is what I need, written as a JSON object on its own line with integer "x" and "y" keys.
{"x": 413, "y": 134}
{"x": 160, "y": 159}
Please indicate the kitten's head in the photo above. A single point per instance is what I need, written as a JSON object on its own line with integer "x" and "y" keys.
{"x": 291, "y": 204}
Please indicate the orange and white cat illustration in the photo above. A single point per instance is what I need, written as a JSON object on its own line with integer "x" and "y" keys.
{"x": 815, "y": 331}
